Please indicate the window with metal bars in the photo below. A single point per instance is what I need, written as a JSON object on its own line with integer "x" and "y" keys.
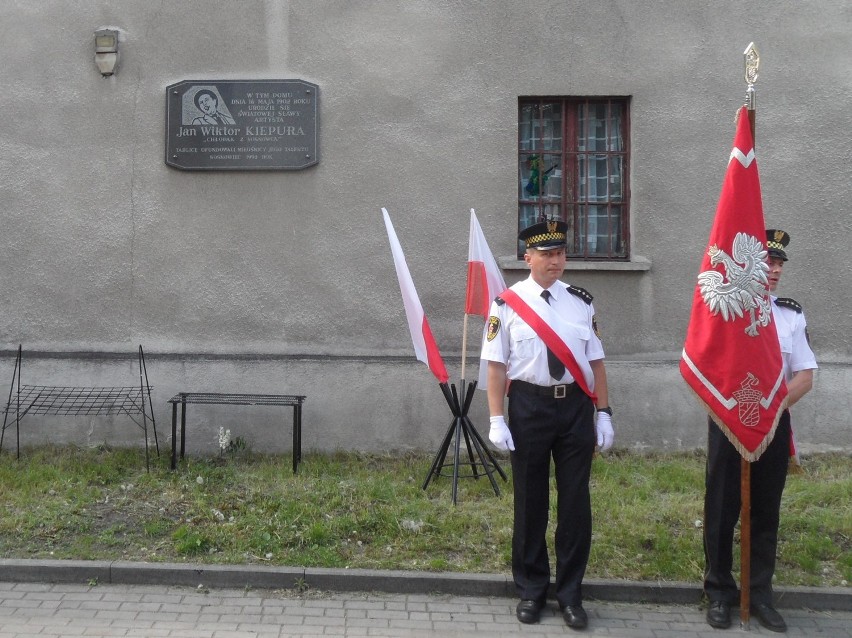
{"x": 573, "y": 164}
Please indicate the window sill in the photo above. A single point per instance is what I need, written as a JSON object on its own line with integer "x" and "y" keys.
{"x": 636, "y": 264}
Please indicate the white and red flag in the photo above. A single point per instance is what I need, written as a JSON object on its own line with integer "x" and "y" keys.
{"x": 484, "y": 283}
{"x": 425, "y": 348}
{"x": 731, "y": 358}
{"x": 484, "y": 279}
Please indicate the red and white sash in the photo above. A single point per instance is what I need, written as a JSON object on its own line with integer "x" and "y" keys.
{"x": 549, "y": 336}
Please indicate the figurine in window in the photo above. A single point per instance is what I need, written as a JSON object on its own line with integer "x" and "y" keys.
{"x": 537, "y": 181}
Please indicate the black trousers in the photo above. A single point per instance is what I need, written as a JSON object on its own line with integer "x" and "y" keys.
{"x": 722, "y": 510}
{"x": 542, "y": 427}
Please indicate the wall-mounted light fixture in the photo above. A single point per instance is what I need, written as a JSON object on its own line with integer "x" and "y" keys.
{"x": 106, "y": 50}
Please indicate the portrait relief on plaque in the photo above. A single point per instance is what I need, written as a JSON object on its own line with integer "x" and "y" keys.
{"x": 203, "y": 105}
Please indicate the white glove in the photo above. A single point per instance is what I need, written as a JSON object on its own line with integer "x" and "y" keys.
{"x": 603, "y": 428}
{"x": 500, "y": 435}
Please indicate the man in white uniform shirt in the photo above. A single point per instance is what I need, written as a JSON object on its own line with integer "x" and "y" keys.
{"x": 768, "y": 473}
{"x": 550, "y": 414}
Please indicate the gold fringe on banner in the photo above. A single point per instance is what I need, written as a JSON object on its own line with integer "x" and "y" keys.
{"x": 751, "y": 457}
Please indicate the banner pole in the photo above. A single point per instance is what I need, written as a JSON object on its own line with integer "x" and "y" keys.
{"x": 751, "y": 62}
{"x": 745, "y": 543}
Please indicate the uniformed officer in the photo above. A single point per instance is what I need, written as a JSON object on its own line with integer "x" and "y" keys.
{"x": 768, "y": 473}
{"x": 549, "y": 415}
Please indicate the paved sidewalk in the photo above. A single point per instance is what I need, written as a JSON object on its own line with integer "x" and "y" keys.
{"x": 54, "y": 610}
{"x": 52, "y": 598}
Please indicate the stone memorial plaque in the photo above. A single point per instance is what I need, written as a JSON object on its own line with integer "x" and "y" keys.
{"x": 242, "y": 125}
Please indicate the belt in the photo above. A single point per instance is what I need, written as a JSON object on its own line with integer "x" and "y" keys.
{"x": 562, "y": 391}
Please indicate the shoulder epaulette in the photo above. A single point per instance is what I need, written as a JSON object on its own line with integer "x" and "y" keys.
{"x": 582, "y": 293}
{"x": 786, "y": 302}
{"x": 499, "y": 301}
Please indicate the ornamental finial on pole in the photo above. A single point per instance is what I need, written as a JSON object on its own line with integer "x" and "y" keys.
{"x": 751, "y": 60}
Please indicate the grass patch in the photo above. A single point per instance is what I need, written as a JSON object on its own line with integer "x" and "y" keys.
{"x": 370, "y": 511}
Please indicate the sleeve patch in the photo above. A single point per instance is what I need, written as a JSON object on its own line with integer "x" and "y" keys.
{"x": 595, "y": 326}
{"x": 493, "y": 328}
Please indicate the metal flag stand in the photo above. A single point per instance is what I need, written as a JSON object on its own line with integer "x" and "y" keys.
{"x": 751, "y": 60}
{"x": 461, "y": 426}
{"x": 459, "y": 403}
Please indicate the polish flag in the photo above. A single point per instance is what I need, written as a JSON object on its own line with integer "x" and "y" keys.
{"x": 731, "y": 358}
{"x": 425, "y": 348}
{"x": 484, "y": 279}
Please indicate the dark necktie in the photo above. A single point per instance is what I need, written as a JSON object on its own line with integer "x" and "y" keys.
{"x": 554, "y": 365}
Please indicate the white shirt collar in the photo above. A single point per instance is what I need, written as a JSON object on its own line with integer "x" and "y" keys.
{"x": 555, "y": 290}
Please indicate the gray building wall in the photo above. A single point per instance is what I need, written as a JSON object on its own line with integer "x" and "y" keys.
{"x": 283, "y": 281}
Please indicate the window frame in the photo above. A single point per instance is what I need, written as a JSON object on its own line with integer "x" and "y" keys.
{"x": 571, "y": 208}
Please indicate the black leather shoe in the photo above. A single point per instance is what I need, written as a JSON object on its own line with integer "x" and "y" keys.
{"x": 769, "y": 617}
{"x": 575, "y": 616}
{"x": 529, "y": 612}
{"x": 719, "y": 614}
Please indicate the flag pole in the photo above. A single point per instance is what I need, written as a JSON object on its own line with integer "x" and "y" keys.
{"x": 464, "y": 347}
{"x": 751, "y": 62}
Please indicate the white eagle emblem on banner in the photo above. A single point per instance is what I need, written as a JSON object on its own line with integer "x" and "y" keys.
{"x": 743, "y": 288}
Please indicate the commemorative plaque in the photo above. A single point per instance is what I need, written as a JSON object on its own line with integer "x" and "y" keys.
{"x": 242, "y": 125}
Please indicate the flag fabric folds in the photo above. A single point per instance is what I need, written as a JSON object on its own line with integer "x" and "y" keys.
{"x": 484, "y": 283}
{"x": 731, "y": 357}
{"x": 425, "y": 347}
{"x": 484, "y": 279}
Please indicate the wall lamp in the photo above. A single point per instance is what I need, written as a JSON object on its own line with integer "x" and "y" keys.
{"x": 106, "y": 51}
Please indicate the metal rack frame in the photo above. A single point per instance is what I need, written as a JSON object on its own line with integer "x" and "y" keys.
{"x": 80, "y": 401}
{"x": 229, "y": 398}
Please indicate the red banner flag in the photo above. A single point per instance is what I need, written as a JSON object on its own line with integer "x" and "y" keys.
{"x": 425, "y": 347}
{"x": 484, "y": 279}
{"x": 731, "y": 358}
